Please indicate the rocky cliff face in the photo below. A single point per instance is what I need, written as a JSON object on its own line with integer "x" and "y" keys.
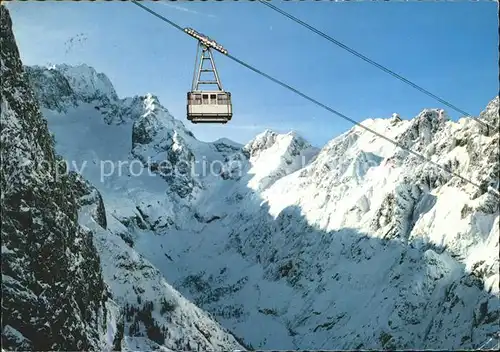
{"x": 53, "y": 294}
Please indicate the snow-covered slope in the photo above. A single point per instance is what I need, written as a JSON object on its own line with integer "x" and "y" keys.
{"x": 273, "y": 156}
{"x": 357, "y": 245}
{"x": 151, "y": 315}
{"x": 69, "y": 280}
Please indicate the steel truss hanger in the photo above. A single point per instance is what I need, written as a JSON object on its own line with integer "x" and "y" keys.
{"x": 204, "y": 55}
{"x": 205, "y": 45}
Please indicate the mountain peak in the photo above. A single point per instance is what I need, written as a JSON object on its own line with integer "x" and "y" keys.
{"x": 269, "y": 138}
{"x": 87, "y": 82}
{"x": 267, "y": 134}
{"x": 151, "y": 103}
{"x": 438, "y": 115}
{"x": 423, "y": 127}
{"x": 62, "y": 86}
{"x": 490, "y": 113}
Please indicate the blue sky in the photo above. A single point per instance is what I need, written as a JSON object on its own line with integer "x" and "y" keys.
{"x": 450, "y": 48}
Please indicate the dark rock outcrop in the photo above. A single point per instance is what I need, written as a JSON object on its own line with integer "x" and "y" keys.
{"x": 53, "y": 293}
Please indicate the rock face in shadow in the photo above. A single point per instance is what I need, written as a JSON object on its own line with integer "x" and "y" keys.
{"x": 53, "y": 294}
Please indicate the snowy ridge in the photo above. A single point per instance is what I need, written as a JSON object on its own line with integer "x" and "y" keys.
{"x": 86, "y": 82}
{"x": 358, "y": 245}
{"x": 273, "y": 156}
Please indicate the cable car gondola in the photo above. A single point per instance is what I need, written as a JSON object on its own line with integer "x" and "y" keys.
{"x": 207, "y": 106}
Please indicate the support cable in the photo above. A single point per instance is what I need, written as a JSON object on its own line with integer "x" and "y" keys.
{"x": 370, "y": 61}
{"x": 314, "y": 101}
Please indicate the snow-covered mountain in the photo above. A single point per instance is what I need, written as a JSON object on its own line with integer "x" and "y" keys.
{"x": 356, "y": 245}
{"x": 69, "y": 280}
{"x": 359, "y": 245}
